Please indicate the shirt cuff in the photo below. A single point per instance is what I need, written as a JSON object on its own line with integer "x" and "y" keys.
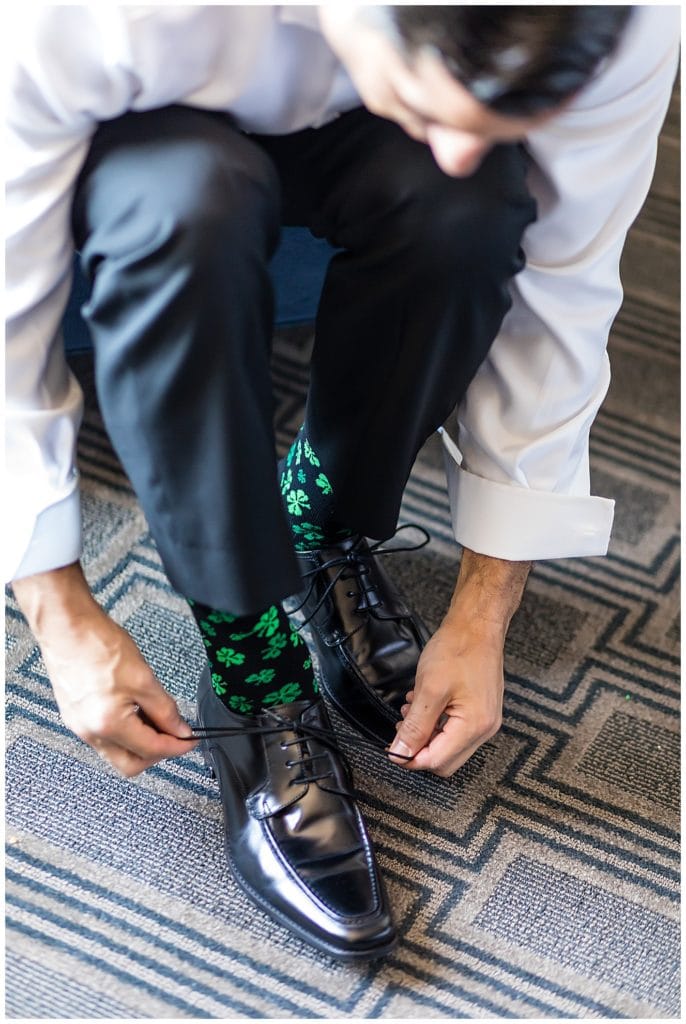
{"x": 56, "y": 539}
{"x": 521, "y": 525}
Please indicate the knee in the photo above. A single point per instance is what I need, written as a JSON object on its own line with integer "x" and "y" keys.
{"x": 189, "y": 194}
{"x": 221, "y": 196}
{"x": 473, "y": 225}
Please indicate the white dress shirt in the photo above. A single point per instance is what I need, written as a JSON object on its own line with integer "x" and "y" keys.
{"x": 518, "y": 470}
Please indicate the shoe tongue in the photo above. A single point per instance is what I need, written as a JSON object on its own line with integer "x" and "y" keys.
{"x": 340, "y": 547}
{"x": 349, "y": 542}
{"x": 278, "y": 790}
{"x": 292, "y": 712}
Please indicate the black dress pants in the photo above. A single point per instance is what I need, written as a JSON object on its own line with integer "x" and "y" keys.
{"x": 176, "y": 216}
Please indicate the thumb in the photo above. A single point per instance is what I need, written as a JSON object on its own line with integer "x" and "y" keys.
{"x": 419, "y": 725}
{"x": 163, "y": 713}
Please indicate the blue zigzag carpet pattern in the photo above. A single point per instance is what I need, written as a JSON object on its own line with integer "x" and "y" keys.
{"x": 540, "y": 882}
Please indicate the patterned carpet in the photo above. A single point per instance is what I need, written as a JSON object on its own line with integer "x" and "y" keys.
{"x": 540, "y": 882}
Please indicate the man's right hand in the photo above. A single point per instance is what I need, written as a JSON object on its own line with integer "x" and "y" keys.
{"x": 99, "y": 676}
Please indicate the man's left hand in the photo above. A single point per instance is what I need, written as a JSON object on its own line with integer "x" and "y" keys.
{"x": 457, "y": 701}
{"x": 459, "y": 681}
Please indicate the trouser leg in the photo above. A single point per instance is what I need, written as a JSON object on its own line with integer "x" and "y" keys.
{"x": 410, "y": 307}
{"x": 176, "y": 216}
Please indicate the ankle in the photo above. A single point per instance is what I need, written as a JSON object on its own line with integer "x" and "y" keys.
{"x": 255, "y": 661}
{"x": 309, "y": 498}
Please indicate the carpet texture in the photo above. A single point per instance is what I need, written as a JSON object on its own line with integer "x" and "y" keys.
{"x": 540, "y": 882}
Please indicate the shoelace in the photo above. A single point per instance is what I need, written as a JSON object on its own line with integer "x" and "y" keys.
{"x": 307, "y": 758}
{"x": 326, "y": 737}
{"x": 359, "y": 562}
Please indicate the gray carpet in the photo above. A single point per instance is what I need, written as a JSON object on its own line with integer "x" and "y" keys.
{"x": 540, "y": 882}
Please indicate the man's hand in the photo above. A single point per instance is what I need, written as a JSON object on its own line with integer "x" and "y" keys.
{"x": 459, "y": 677}
{"x": 99, "y": 676}
{"x": 456, "y": 704}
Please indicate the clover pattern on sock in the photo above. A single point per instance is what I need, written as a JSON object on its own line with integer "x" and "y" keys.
{"x": 308, "y": 497}
{"x": 256, "y": 661}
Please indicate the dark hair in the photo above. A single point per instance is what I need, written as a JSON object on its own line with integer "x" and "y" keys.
{"x": 515, "y": 60}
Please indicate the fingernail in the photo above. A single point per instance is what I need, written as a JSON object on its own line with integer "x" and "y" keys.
{"x": 185, "y": 729}
{"x": 398, "y": 747}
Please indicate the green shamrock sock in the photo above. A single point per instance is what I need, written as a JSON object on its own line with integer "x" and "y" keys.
{"x": 256, "y": 661}
{"x": 308, "y": 497}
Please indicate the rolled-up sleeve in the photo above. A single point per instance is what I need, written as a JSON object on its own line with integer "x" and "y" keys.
{"x": 56, "y": 87}
{"x": 518, "y": 469}
{"x": 43, "y": 400}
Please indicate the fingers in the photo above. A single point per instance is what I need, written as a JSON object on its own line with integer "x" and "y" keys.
{"x": 146, "y": 743}
{"x": 130, "y": 741}
{"x": 409, "y": 697}
{"x": 418, "y": 724}
{"x": 163, "y": 713}
{"x": 126, "y": 763}
{"x": 448, "y": 750}
{"x": 131, "y": 745}
{"x": 454, "y": 740}
{"x": 456, "y": 703}
{"x": 101, "y": 681}
{"x": 451, "y": 747}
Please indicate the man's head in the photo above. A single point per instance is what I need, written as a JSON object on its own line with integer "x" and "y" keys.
{"x": 517, "y": 61}
{"x": 463, "y": 78}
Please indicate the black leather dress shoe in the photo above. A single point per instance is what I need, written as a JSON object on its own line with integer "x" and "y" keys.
{"x": 295, "y": 840}
{"x": 367, "y": 639}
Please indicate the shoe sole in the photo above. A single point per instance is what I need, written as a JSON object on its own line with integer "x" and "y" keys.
{"x": 276, "y": 915}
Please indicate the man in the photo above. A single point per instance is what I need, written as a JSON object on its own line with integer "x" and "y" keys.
{"x": 168, "y": 144}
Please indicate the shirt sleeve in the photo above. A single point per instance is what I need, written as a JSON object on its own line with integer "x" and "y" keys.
{"x": 518, "y": 476}
{"x": 56, "y": 88}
